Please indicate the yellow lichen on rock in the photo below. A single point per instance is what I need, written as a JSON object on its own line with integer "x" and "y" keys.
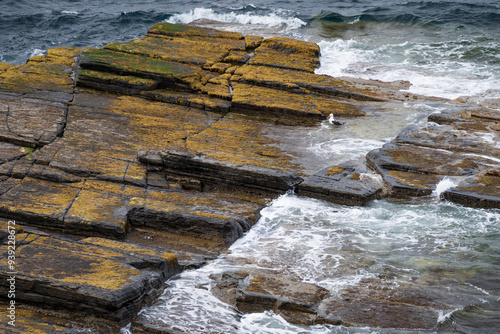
{"x": 334, "y": 170}
{"x": 286, "y": 103}
{"x": 238, "y": 139}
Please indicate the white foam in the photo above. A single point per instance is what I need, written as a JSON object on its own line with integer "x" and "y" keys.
{"x": 37, "y": 52}
{"x": 70, "y": 12}
{"x": 272, "y": 19}
{"x": 443, "y": 317}
{"x": 443, "y": 185}
{"x": 126, "y": 329}
{"x": 436, "y": 76}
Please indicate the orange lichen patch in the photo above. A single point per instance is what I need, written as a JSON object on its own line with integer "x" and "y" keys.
{"x": 59, "y": 261}
{"x": 487, "y": 183}
{"x": 182, "y": 30}
{"x": 287, "y": 53}
{"x": 5, "y": 66}
{"x": 200, "y": 101}
{"x": 285, "y": 103}
{"x": 294, "y": 61}
{"x": 220, "y": 67}
{"x": 239, "y": 139}
{"x": 334, "y": 170}
{"x": 356, "y": 177}
{"x": 252, "y": 41}
{"x": 87, "y": 163}
{"x": 28, "y": 321}
{"x": 160, "y": 125}
{"x": 30, "y": 77}
{"x": 290, "y": 45}
{"x": 173, "y": 49}
{"x": 220, "y": 91}
{"x": 423, "y": 181}
{"x": 95, "y": 208}
{"x": 290, "y": 79}
{"x": 132, "y": 248}
{"x": 51, "y": 72}
{"x": 237, "y": 57}
{"x": 43, "y": 199}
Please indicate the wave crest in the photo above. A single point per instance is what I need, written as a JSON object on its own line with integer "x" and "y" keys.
{"x": 272, "y": 19}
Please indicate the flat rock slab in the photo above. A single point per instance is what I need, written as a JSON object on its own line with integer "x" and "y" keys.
{"x": 381, "y": 305}
{"x": 344, "y": 184}
{"x": 32, "y": 320}
{"x": 481, "y": 191}
{"x": 108, "y": 282}
{"x": 254, "y": 292}
{"x": 28, "y": 122}
{"x": 47, "y": 77}
{"x": 458, "y": 144}
{"x": 216, "y": 173}
{"x": 201, "y": 216}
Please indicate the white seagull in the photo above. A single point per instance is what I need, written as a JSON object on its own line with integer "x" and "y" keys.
{"x": 333, "y": 121}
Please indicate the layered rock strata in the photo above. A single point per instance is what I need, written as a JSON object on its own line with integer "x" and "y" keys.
{"x": 129, "y": 163}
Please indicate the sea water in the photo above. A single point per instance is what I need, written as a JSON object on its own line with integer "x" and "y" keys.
{"x": 448, "y": 49}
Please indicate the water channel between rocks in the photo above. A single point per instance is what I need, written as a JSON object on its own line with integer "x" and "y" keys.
{"x": 440, "y": 251}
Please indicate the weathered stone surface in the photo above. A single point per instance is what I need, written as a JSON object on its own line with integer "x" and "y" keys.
{"x": 30, "y": 319}
{"x": 344, "y": 184}
{"x": 100, "y": 281}
{"x": 181, "y": 30}
{"x": 296, "y": 301}
{"x": 164, "y": 73}
{"x": 202, "y": 216}
{"x": 462, "y": 144}
{"x": 258, "y": 100}
{"x": 30, "y": 123}
{"x": 44, "y": 77}
{"x": 215, "y": 173}
{"x": 382, "y": 306}
{"x": 287, "y": 53}
{"x": 481, "y": 191}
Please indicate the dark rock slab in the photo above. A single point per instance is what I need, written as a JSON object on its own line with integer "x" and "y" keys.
{"x": 203, "y": 216}
{"x": 28, "y": 122}
{"x": 479, "y": 191}
{"x": 380, "y": 305}
{"x": 30, "y": 319}
{"x": 164, "y": 73}
{"x": 254, "y": 292}
{"x": 10, "y": 152}
{"x": 83, "y": 278}
{"x": 345, "y": 184}
{"x": 216, "y": 173}
{"x": 287, "y": 53}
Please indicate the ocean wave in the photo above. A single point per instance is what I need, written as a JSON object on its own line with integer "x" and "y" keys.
{"x": 422, "y": 13}
{"x": 272, "y": 19}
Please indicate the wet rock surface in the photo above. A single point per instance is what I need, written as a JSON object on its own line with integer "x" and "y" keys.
{"x": 459, "y": 145}
{"x": 129, "y": 163}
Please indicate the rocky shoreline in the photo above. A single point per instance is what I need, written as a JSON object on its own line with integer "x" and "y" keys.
{"x": 124, "y": 165}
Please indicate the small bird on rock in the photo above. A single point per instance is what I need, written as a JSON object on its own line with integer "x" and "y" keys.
{"x": 333, "y": 121}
